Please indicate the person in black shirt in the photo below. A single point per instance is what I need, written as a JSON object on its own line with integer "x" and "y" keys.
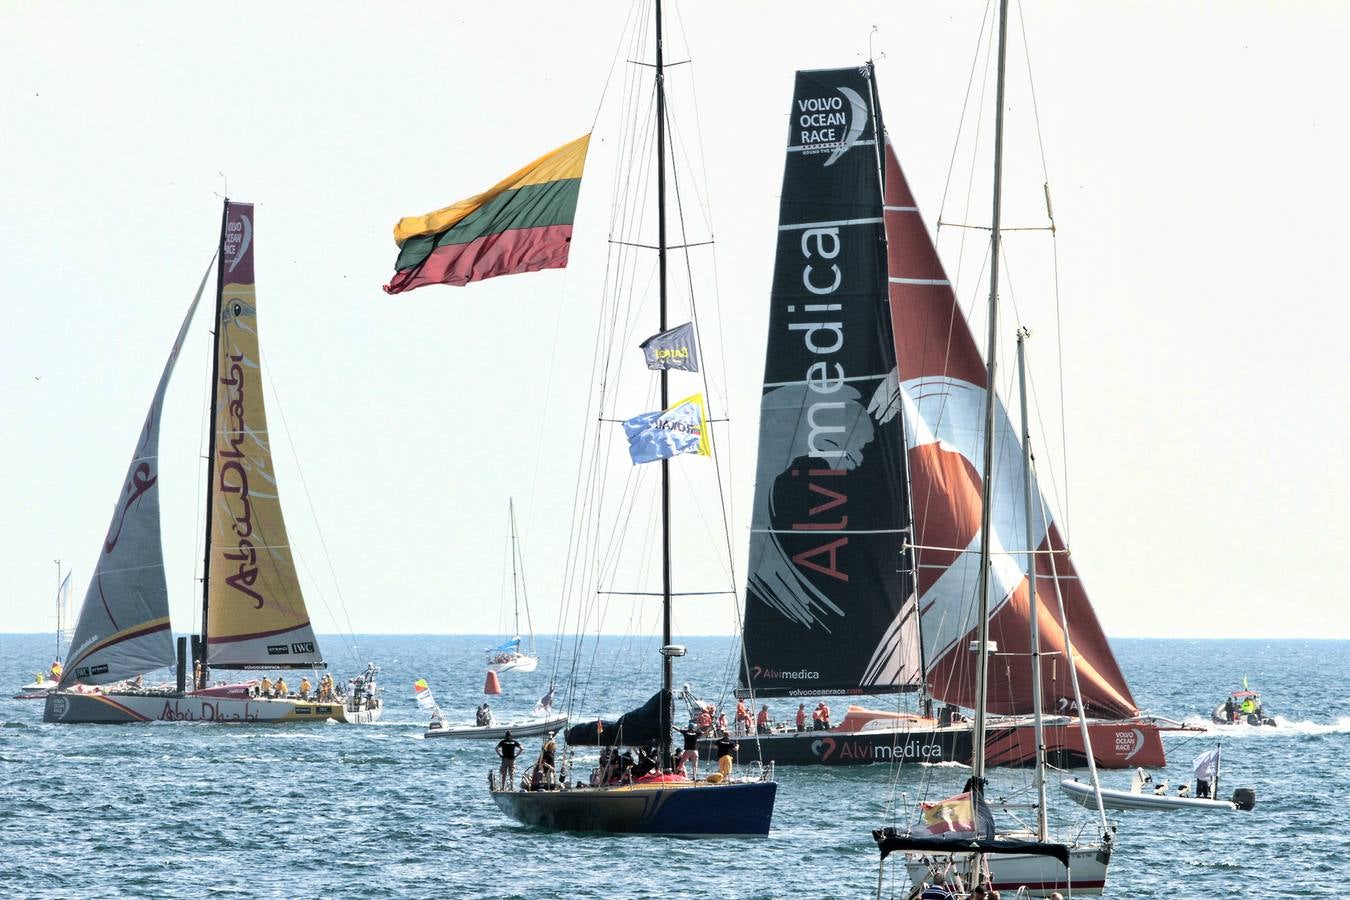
{"x": 508, "y": 748}
{"x": 689, "y": 756}
{"x": 725, "y": 747}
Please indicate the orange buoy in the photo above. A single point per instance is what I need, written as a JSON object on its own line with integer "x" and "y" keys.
{"x": 492, "y": 685}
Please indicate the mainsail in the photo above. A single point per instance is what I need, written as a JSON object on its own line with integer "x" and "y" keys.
{"x": 123, "y": 628}
{"x": 942, "y": 383}
{"x": 829, "y": 599}
{"x": 255, "y": 615}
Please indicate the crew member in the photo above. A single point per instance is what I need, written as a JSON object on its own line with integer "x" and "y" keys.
{"x": 304, "y": 687}
{"x": 265, "y": 686}
{"x": 801, "y": 716}
{"x": 705, "y": 719}
{"x": 689, "y": 757}
{"x": 762, "y": 720}
{"x": 281, "y": 688}
{"x": 725, "y": 747}
{"x": 508, "y": 748}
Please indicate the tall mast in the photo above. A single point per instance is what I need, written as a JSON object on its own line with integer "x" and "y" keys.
{"x": 58, "y": 609}
{"x": 667, "y": 666}
{"x": 211, "y": 446}
{"x": 515, "y": 589}
{"x": 982, "y": 637}
{"x": 991, "y": 353}
{"x": 1042, "y": 822}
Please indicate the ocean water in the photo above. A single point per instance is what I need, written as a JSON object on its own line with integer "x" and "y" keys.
{"x": 192, "y": 810}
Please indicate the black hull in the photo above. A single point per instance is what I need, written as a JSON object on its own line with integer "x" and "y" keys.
{"x": 1009, "y": 742}
{"x": 857, "y": 748}
{"x": 727, "y": 810}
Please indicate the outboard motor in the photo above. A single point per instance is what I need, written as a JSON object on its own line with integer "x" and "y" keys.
{"x": 1244, "y": 799}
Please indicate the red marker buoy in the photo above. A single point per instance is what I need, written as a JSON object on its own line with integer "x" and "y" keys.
{"x": 492, "y": 685}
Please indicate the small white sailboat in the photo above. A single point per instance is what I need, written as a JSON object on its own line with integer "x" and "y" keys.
{"x": 253, "y": 611}
{"x": 46, "y": 681}
{"x": 507, "y": 656}
{"x": 950, "y": 412}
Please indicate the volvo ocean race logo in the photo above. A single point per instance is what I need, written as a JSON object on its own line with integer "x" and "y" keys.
{"x": 831, "y": 123}
{"x": 238, "y": 235}
{"x": 1129, "y": 742}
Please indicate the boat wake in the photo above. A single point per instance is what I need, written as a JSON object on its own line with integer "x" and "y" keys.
{"x": 1283, "y": 726}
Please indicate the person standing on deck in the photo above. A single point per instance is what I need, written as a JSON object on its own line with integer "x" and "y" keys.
{"x": 508, "y": 748}
{"x": 689, "y": 758}
{"x": 742, "y": 718}
{"x": 762, "y": 720}
{"x": 265, "y": 687}
{"x": 304, "y": 687}
{"x": 725, "y": 747}
{"x": 801, "y": 716}
{"x": 282, "y": 690}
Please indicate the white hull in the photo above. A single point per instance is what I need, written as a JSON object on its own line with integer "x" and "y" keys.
{"x": 519, "y": 662}
{"x": 205, "y": 706}
{"x": 1082, "y": 794}
{"x": 519, "y": 728}
{"x": 1040, "y": 875}
{"x": 36, "y": 690}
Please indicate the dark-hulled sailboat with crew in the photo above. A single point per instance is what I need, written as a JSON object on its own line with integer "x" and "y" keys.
{"x": 651, "y": 795}
{"x": 253, "y": 612}
{"x": 864, "y": 415}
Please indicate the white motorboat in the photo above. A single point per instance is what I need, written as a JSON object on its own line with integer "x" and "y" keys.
{"x": 497, "y": 730}
{"x": 1080, "y": 792}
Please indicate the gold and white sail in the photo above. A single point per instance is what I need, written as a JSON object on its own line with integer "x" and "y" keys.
{"x": 255, "y": 612}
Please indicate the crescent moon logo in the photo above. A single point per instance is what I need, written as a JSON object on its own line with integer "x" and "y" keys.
{"x": 823, "y": 748}
{"x": 857, "y": 121}
{"x": 243, "y": 242}
{"x": 1138, "y": 743}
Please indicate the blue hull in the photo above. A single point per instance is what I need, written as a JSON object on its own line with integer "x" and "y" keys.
{"x": 744, "y": 810}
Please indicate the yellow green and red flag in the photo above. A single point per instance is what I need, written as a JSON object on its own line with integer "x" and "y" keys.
{"x": 521, "y": 224}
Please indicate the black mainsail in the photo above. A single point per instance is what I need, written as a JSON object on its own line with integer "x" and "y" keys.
{"x": 830, "y": 606}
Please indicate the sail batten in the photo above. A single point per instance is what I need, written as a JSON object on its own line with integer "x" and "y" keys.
{"x": 257, "y": 615}
{"x": 123, "y": 627}
{"x": 942, "y": 384}
{"x": 830, "y": 607}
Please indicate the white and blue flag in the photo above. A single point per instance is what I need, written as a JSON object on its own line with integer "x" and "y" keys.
{"x": 661, "y": 435}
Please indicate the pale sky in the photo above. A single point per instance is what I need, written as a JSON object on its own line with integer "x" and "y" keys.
{"x": 1196, "y": 155}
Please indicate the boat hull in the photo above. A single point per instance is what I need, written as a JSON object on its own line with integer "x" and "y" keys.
{"x": 114, "y": 708}
{"x": 1218, "y": 717}
{"x": 1115, "y": 745}
{"x": 525, "y": 728}
{"x": 1040, "y": 875}
{"x": 518, "y": 663}
{"x": 1083, "y": 795}
{"x": 693, "y": 808}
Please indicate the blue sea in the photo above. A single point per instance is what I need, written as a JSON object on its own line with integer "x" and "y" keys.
{"x": 192, "y": 810}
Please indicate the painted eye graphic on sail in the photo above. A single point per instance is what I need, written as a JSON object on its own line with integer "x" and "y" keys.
{"x": 857, "y": 120}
